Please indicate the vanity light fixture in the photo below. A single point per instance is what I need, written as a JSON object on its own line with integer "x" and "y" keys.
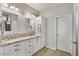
{"x": 29, "y": 15}
{"x": 13, "y": 7}
{"x": 5, "y": 4}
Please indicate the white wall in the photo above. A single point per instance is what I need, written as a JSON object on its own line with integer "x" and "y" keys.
{"x": 50, "y": 14}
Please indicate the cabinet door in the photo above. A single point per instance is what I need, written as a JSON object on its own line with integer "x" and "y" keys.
{"x": 42, "y": 42}
{"x": 28, "y": 47}
{"x": 38, "y": 44}
{"x": 35, "y": 45}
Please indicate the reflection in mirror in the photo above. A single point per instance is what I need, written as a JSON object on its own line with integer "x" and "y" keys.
{"x": 31, "y": 25}
{"x": 7, "y": 22}
{"x": 39, "y": 27}
{"x": 0, "y": 26}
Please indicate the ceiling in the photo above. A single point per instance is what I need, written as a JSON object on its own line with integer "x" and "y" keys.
{"x": 24, "y": 7}
{"x": 37, "y": 8}
{"x": 43, "y": 6}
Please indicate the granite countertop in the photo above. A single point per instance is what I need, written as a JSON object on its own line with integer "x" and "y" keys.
{"x": 18, "y": 39}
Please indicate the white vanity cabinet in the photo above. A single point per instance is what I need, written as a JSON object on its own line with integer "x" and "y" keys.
{"x": 16, "y": 49}
{"x": 27, "y": 47}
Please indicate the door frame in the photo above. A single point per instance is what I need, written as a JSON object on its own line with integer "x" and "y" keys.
{"x": 56, "y": 27}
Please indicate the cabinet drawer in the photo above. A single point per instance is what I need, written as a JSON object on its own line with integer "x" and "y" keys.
{"x": 15, "y": 52}
{"x": 16, "y": 45}
{"x": 15, "y": 49}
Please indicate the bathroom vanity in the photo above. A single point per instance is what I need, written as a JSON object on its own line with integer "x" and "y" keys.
{"x": 19, "y": 35}
{"x": 22, "y": 46}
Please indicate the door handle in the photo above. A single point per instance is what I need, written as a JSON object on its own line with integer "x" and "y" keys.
{"x": 74, "y": 42}
{"x": 16, "y": 49}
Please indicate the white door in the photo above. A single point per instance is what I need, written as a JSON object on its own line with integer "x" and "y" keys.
{"x": 64, "y": 33}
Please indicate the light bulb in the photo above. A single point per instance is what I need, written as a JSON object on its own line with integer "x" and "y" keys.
{"x": 17, "y": 9}
{"x": 12, "y": 7}
{"x": 31, "y": 15}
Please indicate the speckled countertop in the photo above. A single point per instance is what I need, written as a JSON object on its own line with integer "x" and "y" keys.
{"x": 18, "y": 39}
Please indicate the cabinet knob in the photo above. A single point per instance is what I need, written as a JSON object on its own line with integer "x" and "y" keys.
{"x": 29, "y": 45}
{"x": 37, "y": 41}
{"x": 74, "y": 42}
{"x": 30, "y": 52}
{"x": 16, "y": 49}
{"x": 29, "y": 41}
